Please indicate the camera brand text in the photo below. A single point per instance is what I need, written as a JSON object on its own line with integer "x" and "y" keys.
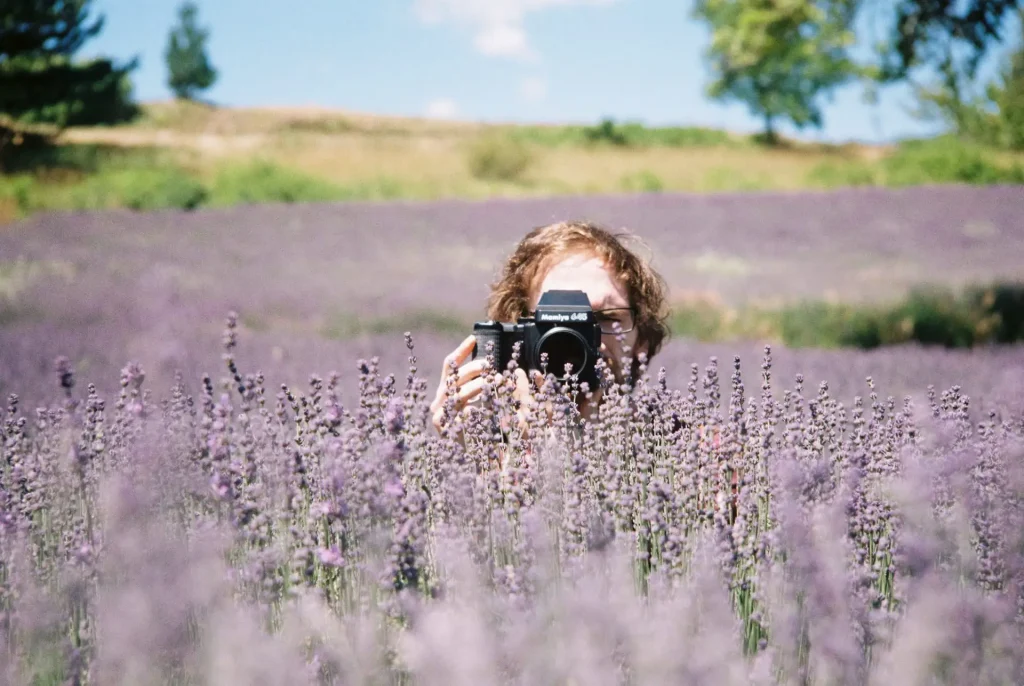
{"x": 561, "y": 317}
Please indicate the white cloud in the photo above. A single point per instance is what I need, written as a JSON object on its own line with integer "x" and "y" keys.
{"x": 497, "y": 25}
{"x": 504, "y": 40}
{"x": 442, "y": 108}
{"x": 533, "y": 88}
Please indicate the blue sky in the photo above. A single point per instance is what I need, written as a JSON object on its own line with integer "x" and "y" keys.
{"x": 492, "y": 60}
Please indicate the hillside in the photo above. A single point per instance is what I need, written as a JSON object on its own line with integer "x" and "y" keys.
{"x": 191, "y": 155}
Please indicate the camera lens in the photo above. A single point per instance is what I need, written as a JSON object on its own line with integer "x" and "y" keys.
{"x": 563, "y": 346}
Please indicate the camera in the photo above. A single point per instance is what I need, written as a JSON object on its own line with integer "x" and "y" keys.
{"x": 564, "y": 328}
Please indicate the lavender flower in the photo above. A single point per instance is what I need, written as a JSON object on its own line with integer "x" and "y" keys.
{"x": 693, "y": 535}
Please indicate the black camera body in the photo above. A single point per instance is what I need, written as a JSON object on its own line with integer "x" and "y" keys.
{"x": 564, "y": 327}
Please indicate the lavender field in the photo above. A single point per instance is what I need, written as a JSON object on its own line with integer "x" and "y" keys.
{"x": 745, "y": 516}
{"x": 103, "y": 288}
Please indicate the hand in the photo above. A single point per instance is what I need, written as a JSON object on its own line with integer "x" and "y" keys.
{"x": 468, "y": 382}
{"x": 528, "y": 404}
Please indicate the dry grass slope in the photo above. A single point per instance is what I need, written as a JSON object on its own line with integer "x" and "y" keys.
{"x": 429, "y": 157}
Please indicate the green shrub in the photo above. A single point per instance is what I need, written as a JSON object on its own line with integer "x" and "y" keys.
{"x": 628, "y": 134}
{"x": 832, "y": 175}
{"x": 97, "y": 193}
{"x": 549, "y": 136}
{"x": 926, "y": 316}
{"x": 945, "y": 160}
{"x": 136, "y": 189}
{"x": 17, "y": 195}
{"x": 348, "y": 325}
{"x": 496, "y": 157}
{"x": 634, "y": 134}
{"x": 95, "y": 177}
{"x": 8, "y": 313}
{"x": 379, "y": 188}
{"x": 607, "y": 131}
{"x": 264, "y": 182}
{"x": 326, "y": 125}
{"x": 1002, "y": 308}
{"x": 644, "y": 181}
{"x": 935, "y": 317}
{"x": 86, "y": 158}
{"x": 675, "y": 136}
{"x": 702, "y": 321}
{"x": 929, "y": 316}
{"x": 154, "y": 189}
{"x": 727, "y": 179}
{"x": 939, "y": 160}
{"x": 828, "y": 325}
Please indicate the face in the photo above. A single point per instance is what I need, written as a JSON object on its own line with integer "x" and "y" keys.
{"x": 588, "y": 274}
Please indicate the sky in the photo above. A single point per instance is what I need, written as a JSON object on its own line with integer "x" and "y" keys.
{"x": 550, "y": 61}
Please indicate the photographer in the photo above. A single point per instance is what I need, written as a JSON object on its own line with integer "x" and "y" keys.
{"x": 570, "y": 256}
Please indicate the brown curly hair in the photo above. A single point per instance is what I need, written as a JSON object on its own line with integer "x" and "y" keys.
{"x": 540, "y": 249}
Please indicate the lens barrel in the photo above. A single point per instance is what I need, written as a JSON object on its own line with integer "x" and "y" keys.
{"x": 563, "y": 346}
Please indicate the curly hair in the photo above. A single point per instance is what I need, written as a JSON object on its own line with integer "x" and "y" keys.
{"x": 539, "y": 251}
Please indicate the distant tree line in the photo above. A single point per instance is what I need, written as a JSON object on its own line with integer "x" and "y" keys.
{"x": 780, "y": 58}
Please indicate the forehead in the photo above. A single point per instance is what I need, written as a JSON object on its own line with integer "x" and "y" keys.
{"x": 584, "y": 273}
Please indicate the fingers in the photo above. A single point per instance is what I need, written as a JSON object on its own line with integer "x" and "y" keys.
{"x": 534, "y": 375}
{"x": 466, "y": 393}
{"x": 469, "y": 371}
{"x": 465, "y": 379}
{"x": 524, "y": 390}
{"x": 522, "y": 383}
{"x": 458, "y": 356}
{"x": 469, "y": 391}
{"x": 466, "y": 373}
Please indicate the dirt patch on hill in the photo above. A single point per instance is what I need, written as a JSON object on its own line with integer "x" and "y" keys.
{"x": 207, "y": 143}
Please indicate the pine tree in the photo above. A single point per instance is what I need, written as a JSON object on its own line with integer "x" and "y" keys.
{"x": 41, "y": 82}
{"x": 188, "y": 65}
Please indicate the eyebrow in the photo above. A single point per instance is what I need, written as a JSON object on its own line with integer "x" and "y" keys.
{"x": 609, "y": 304}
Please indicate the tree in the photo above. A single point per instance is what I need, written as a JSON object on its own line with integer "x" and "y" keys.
{"x": 926, "y": 31}
{"x": 778, "y": 56}
{"x": 993, "y": 114}
{"x": 41, "y": 82}
{"x": 1009, "y": 96}
{"x": 189, "y": 68}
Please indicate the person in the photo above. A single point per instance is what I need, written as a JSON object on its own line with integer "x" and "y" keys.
{"x": 627, "y": 294}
